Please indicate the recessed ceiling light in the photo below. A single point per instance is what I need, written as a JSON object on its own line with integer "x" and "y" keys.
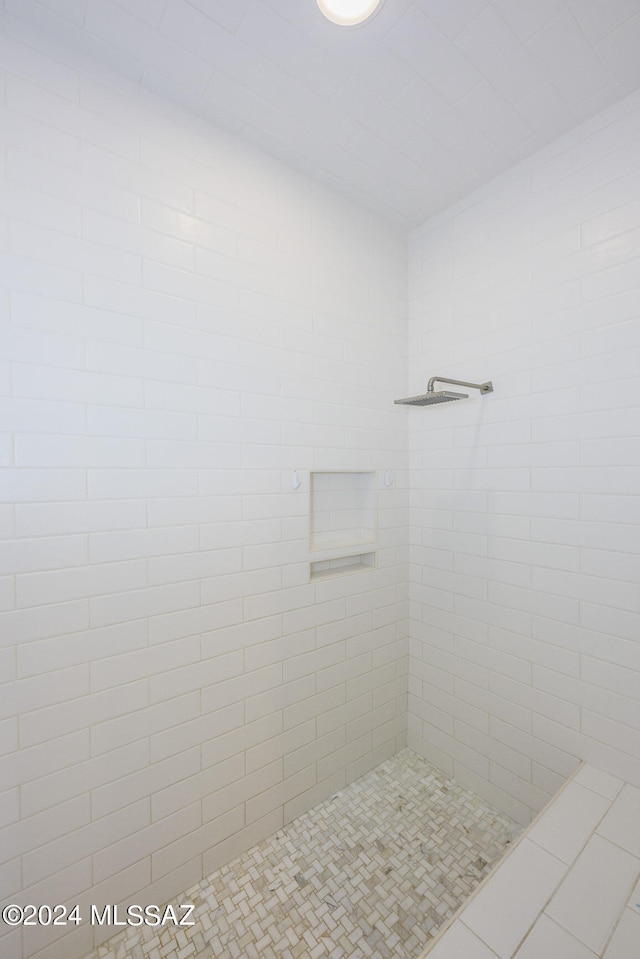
{"x": 348, "y": 12}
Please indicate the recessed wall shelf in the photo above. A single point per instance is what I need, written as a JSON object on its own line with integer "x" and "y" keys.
{"x": 357, "y": 563}
{"x": 343, "y": 510}
{"x": 342, "y": 520}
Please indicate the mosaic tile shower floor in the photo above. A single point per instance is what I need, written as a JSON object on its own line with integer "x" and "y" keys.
{"x": 370, "y": 873}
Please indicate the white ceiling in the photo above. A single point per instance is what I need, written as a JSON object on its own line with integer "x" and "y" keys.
{"x": 405, "y": 114}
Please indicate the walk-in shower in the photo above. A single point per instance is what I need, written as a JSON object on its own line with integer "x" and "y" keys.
{"x": 371, "y": 872}
{"x": 443, "y": 396}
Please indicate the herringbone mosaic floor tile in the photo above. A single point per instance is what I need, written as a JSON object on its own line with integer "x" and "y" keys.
{"x": 371, "y": 873}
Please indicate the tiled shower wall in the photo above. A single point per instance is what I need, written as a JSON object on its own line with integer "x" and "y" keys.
{"x": 525, "y": 520}
{"x": 184, "y": 324}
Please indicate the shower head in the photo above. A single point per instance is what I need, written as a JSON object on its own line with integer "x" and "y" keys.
{"x": 443, "y": 396}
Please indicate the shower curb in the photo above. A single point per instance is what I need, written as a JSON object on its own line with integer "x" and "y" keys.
{"x": 442, "y": 932}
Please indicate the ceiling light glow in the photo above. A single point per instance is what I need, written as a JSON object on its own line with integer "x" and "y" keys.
{"x": 348, "y": 12}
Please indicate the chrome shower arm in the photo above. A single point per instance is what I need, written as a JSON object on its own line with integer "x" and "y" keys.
{"x": 483, "y": 387}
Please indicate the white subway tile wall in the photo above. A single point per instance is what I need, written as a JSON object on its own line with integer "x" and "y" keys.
{"x": 186, "y": 323}
{"x": 525, "y": 525}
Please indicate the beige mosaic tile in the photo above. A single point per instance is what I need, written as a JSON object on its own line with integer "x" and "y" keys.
{"x": 371, "y": 872}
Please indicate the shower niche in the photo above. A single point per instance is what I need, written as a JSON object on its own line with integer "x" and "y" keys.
{"x": 342, "y": 523}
